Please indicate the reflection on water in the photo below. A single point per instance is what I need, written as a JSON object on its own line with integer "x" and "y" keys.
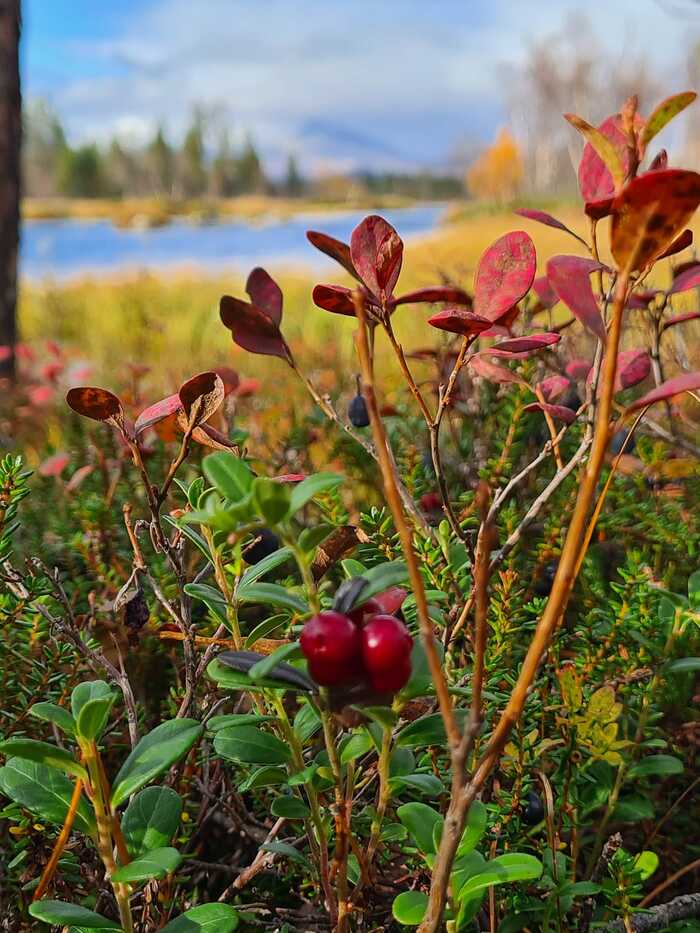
{"x": 65, "y": 248}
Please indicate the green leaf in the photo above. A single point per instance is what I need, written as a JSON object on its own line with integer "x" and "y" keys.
{"x": 694, "y": 588}
{"x": 153, "y": 755}
{"x": 270, "y": 499}
{"x": 426, "y": 784}
{"x": 211, "y": 597}
{"x": 646, "y": 864}
{"x": 156, "y": 863}
{"x": 428, "y": 730}
{"x": 57, "y": 715}
{"x": 292, "y": 808}
{"x": 514, "y": 866}
{"x": 310, "y": 487}
{"x": 663, "y": 114}
{"x": 382, "y": 577}
{"x": 420, "y": 820}
{"x": 581, "y": 889}
{"x": 656, "y": 764}
{"x": 90, "y": 690}
{"x": 421, "y": 681}
{"x": 288, "y": 851}
{"x": 93, "y": 717}
{"x": 43, "y": 753}
{"x": 474, "y": 829}
{"x": 280, "y": 556}
{"x": 684, "y": 666}
{"x": 632, "y": 809}
{"x": 231, "y": 476}
{"x": 266, "y": 667}
{"x": 236, "y": 719}
{"x": 230, "y": 679}
{"x": 358, "y": 744}
{"x": 208, "y": 918}
{"x": 409, "y": 908}
{"x": 191, "y": 535}
{"x": 248, "y": 745}
{"x": 602, "y": 145}
{"x": 265, "y": 628}
{"x": 307, "y": 722}
{"x": 61, "y": 913}
{"x": 151, "y": 819}
{"x": 44, "y": 792}
{"x": 267, "y": 776}
{"x": 271, "y": 594}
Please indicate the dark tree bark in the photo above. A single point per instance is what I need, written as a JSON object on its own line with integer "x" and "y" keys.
{"x": 10, "y": 141}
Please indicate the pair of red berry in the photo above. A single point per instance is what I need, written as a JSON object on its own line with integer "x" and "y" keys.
{"x": 367, "y": 644}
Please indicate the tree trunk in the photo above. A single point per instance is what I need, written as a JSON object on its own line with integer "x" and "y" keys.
{"x": 10, "y": 140}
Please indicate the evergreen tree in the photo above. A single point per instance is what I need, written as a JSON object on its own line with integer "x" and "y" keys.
{"x": 294, "y": 183}
{"x": 193, "y": 174}
{"x": 250, "y": 177}
{"x": 160, "y": 162}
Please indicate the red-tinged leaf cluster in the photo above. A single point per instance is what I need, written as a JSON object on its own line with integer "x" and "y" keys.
{"x": 570, "y": 278}
{"x": 504, "y": 275}
{"x": 558, "y": 412}
{"x": 688, "y": 382}
{"x": 374, "y": 259}
{"x": 95, "y": 403}
{"x": 633, "y": 367}
{"x": 255, "y": 324}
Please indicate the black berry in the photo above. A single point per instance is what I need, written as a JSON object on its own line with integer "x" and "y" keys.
{"x": 534, "y": 811}
{"x": 357, "y": 412}
{"x": 264, "y": 543}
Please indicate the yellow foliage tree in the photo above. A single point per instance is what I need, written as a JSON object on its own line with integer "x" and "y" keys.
{"x": 498, "y": 172}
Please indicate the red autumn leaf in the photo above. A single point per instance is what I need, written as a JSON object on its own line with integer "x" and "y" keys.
{"x": 659, "y": 162}
{"x": 54, "y": 465}
{"x": 578, "y": 369}
{"x": 684, "y": 266}
{"x": 498, "y": 374}
{"x": 649, "y": 213}
{"x": 686, "y": 280}
{"x": 229, "y": 377}
{"x": 527, "y": 344}
{"x": 334, "y": 248}
{"x": 553, "y": 386}
{"x": 458, "y": 321}
{"x": 680, "y": 243}
{"x": 633, "y": 367}
{"x": 560, "y": 412}
{"x": 265, "y": 293}
{"x": 595, "y": 181}
{"x": 569, "y": 277}
{"x": 252, "y": 328}
{"x": 77, "y": 478}
{"x": 201, "y": 396}
{"x": 376, "y": 250}
{"x": 435, "y": 294}
{"x": 681, "y": 318}
{"x": 688, "y": 382}
{"x": 159, "y": 411}
{"x": 642, "y": 299}
{"x": 544, "y": 291}
{"x": 334, "y": 298}
{"x": 542, "y": 217}
{"x": 504, "y": 275}
{"x": 93, "y": 402}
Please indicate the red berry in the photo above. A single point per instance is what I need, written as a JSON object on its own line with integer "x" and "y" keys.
{"x": 362, "y": 614}
{"x": 331, "y": 644}
{"x": 386, "y": 643}
{"x": 394, "y": 679}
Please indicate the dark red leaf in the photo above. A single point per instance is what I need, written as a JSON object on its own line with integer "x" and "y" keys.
{"x": 435, "y": 294}
{"x": 686, "y": 280}
{"x": 229, "y": 377}
{"x": 553, "y": 386}
{"x": 560, "y": 412}
{"x": 201, "y": 396}
{"x": 680, "y": 243}
{"x": 569, "y": 277}
{"x": 458, "y": 321}
{"x": 333, "y": 248}
{"x": 542, "y": 217}
{"x": 544, "y": 291}
{"x": 498, "y": 374}
{"x": 265, "y": 293}
{"x": 528, "y": 343}
{"x": 334, "y": 298}
{"x": 642, "y": 299}
{"x": 681, "y": 318}
{"x": 633, "y": 367}
{"x": 594, "y": 178}
{"x": 159, "y": 411}
{"x": 252, "y": 328}
{"x": 377, "y": 252}
{"x": 659, "y": 162}
{"x": 208, "y": 436}
{"x": 649, "y": 213}
{"x": 578, "y": 370}
{"x": 504, "y": 275}
{"x": 95, "y": 403}
{"x": 684, "y": 266}
{"x": 688, "y": 382}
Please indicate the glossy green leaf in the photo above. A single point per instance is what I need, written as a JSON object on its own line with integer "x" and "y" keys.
{"x": 249, "y": 745}
{"x": 231, "y": 475}
{"x": 684, "y": 666}
{"x": 428, "y": 730}
{"x": 270, "y": 500}
{"x": 276, "y": 559}
{"x": 270, "y": 594}
{"x": 382, "y": 577}
{"x": 474, "y": 829}
{"x": 156, "y": 863}
{"x": 288, "y": 851}
{"x": 211, "y": 597}
{"x": 310, "y": 487}
{"x": 153, "y": 755}
{"x": 93, "y": 717}
{"x": 420, "y": 820}
{"x": 43, "y": 753}
{"x": 151, "y": 819}
{"x": 208, "y": 918}
{"x": 61, "y": 913}
{"x": 358, "y": 744}
{"x": 291, "y": 808}
{"x": 427, "y": 784}
{"x": 45, "y": 792}
{"x": 409, "y": 908}
{"x": 513, "y": 866}
{"x": 267, "y": 776}
{"x": 90, "y": 690}
{"x": 656, "y": 765}
{"x": 266, "y": 666}
{"x": 58, "y": 715}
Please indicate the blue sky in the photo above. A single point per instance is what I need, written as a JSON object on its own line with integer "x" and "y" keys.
{"x": 338, "y": 82}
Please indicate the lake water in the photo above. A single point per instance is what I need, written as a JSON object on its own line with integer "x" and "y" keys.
{"x": 60, "y": 249}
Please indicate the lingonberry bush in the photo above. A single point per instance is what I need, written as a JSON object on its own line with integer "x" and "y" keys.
{"x": 462, "y": 708}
